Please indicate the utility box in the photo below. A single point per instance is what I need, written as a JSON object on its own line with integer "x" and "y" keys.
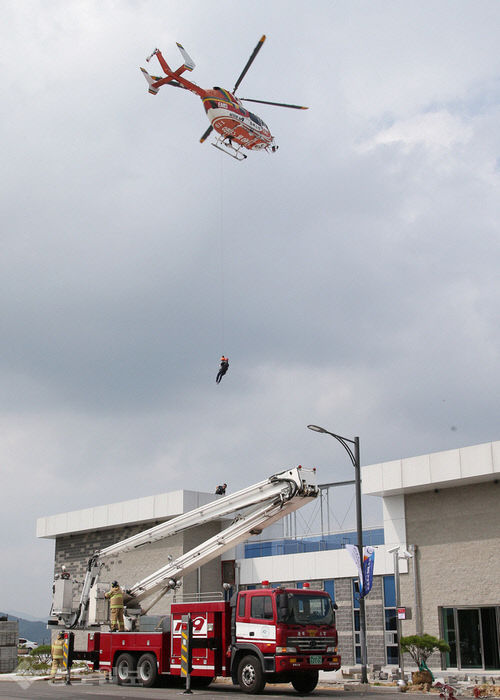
{"x": 63, "y": 597}
{"x": 98, "y": 604}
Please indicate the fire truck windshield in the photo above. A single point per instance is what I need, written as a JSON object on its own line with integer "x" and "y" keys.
{"x": 307, "y": 609}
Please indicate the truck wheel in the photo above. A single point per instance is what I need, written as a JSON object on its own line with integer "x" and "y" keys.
{"x": 306, "y": 681}
{"x": 147, "y": 670}
{"x": 124, "y": 669}
{"x": 250, "y": 675}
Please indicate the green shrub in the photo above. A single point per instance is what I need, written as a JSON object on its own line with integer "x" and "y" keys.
{"x": 42, "y": 653}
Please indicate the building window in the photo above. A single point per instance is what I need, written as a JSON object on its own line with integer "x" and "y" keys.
{"x": 390, "y": 623}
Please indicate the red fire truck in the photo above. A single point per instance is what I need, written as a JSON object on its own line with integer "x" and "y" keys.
{"x": 263, "y": 635}
{"x": 270, "y": 635}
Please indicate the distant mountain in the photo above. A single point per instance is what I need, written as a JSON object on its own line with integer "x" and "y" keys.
{"x": 26, "y": 616}
{"x": 35, "y": 631}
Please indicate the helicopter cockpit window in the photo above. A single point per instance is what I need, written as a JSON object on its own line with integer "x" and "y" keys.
{"x": 256, "y": 119}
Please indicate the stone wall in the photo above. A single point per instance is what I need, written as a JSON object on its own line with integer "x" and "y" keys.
{"x": 457, "y": 533}
{"x": 9, "y": 637}
{"x": 375, "y": 620}
{"x": 344, "y": 620}
{"x": 375, "y": 623}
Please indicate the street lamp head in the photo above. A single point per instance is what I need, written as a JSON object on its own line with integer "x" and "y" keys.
{"x": 405, "y": 554}
{"x": 317, "y": 429}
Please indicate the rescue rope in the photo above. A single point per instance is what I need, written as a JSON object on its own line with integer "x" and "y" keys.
{"x": 222, "y": 349}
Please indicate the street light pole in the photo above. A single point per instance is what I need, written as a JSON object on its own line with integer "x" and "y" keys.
{"x": 397, "y": 554}
{"x": 398, "y": 621}
{"x": 356, "y": 463}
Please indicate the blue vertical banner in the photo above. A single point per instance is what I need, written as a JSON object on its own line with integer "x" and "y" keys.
{"x": 354, "y": 552}
{"x": 368, "y": 564}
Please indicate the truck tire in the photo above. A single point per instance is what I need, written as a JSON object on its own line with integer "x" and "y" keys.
{"x": 124, "y": 669}
{"x": 305, "y": 681}
{"x": 250, "y": 675}
{"x": 147, "y": 670}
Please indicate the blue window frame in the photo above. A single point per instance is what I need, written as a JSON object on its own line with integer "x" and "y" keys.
{"x": 329, "y": 587}
{"x": 389, "y": 592}
{"x": 355, "y": 593}
{"x": 390, "y": 623}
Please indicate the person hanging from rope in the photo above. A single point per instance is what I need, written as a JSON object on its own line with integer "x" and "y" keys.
{"x": 224, "y": 366}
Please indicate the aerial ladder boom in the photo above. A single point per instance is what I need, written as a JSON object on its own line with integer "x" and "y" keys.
{"x": 252, "y": 523}
{"x": 258, "y": 506}
{"x": 299, "y": 479}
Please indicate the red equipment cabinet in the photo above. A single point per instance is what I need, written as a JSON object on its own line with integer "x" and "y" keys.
{"x": 211, "y": 638}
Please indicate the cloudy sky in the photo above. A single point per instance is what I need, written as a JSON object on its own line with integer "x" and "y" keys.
{"x": 351, "y": 278}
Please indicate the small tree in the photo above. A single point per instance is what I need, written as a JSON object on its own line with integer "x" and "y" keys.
{"x": 36, "y": 662}
{"x": 421, "y": 646}
{"x": 42, "y": 653}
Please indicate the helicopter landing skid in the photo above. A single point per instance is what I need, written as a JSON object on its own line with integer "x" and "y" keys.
{"x": 224, "y": 145}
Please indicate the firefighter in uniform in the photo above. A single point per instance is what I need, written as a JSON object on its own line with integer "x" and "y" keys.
{"x": 57, "y": 654}
{"x": 115, "y": 596}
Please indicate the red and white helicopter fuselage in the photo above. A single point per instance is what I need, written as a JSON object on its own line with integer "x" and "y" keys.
{"x": 230, "y": 119}
{"x": 237, "y": 127}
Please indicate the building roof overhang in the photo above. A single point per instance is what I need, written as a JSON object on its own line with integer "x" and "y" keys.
{"x": 451, "y": 468}
{"x": 163, "y": 506}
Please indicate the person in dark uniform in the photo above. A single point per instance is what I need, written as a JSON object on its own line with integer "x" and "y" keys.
{"x": 224, "y": 366}
{"x": 221, "y": 490}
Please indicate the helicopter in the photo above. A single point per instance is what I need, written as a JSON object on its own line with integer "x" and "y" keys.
{"x": 236, "y": 127}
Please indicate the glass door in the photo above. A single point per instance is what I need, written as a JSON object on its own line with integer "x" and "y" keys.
{"x": 474, "y": 637}
{"x": 490, "y": 638}
{"x": 469, "y": 635}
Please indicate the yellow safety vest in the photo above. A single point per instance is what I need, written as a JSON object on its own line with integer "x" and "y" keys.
{"x": 115, "y": 596}
{"x": 57, "y": 649}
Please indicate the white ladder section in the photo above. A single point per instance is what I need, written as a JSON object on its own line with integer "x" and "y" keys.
{"x": 294, "y": 480}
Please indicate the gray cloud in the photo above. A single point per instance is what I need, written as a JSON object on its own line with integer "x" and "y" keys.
{"x": 352, "y": 278}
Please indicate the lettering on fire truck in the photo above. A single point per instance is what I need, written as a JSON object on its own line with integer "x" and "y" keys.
{"x": 199, "y": 626}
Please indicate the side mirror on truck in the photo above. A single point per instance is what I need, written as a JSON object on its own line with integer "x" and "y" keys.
{"x": 283, "y": 607}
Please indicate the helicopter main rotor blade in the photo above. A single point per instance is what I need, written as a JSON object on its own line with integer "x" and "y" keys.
{"x": 207, "y": 133}
{"x": 250, "y": 61}
{"x": 275, "y": 104}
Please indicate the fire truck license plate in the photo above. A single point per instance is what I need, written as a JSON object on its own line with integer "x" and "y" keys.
{"x": 315, "y": 659}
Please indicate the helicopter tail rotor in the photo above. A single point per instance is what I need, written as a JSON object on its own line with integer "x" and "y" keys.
{"x": 151, "y": 55}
